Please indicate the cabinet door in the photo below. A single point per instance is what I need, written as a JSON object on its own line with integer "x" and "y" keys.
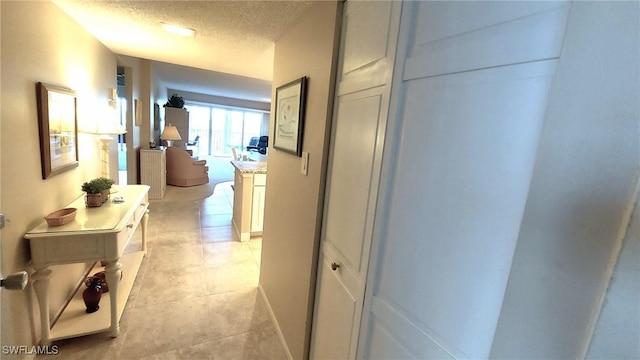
{"x": 257, "y": 209}
{"x": 153, "y": 172}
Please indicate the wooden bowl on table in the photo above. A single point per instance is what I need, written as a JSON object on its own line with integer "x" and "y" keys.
{"x": 61, "y": 217}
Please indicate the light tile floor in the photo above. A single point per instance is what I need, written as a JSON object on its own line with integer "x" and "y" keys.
{"x": 195, "y": 296}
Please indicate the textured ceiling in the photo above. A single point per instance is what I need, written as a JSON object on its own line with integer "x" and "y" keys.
{"x": 232, "y": 37}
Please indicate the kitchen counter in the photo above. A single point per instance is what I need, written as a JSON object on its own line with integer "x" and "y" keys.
{"x": 250, "y": 167}
{"x": 248, "y": 198}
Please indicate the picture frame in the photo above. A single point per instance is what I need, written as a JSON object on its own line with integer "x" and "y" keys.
{"x": 156, "y": 117}
{"x": 138, "y": 112}
{"x": 289, "y": 116}
{"x": 58, "y": 128}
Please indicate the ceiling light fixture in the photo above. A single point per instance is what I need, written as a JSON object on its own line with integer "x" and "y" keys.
{"x": 179, "y": 30}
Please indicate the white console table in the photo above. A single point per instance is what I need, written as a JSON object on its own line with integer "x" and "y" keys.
{"x": 100, "y": 233}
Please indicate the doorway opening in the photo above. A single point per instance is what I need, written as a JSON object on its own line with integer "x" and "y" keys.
{"x": 122, "y": 118}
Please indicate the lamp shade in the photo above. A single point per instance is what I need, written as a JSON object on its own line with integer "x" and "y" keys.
{"x": 109, "y": 128}
{"x": 106, "y": 124}
{"x": 170, "y": 132}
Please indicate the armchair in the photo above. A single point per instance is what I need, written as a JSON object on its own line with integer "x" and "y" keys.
{"x": 182, "y": 170}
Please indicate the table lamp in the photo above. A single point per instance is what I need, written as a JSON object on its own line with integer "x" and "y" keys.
{"x": 106, "y": 129}
{"x": 170, "y": 133}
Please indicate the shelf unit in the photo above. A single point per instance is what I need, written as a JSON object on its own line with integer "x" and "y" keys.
{"x": 75, "y": 321}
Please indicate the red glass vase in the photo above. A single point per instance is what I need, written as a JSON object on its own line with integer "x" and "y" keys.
{"x": 91, "y": 295}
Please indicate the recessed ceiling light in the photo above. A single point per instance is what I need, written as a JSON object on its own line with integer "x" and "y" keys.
{"x": 179, "y": 30}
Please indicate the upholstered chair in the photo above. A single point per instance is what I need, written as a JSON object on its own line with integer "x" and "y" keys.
{"x": 182, "y": 170}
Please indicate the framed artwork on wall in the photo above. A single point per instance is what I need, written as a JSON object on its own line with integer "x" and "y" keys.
{"x": 289, "y": 117}
{"x": 58, "y": 128}
{"x": 156, "y": 117}
{"x": 138, "y": 112}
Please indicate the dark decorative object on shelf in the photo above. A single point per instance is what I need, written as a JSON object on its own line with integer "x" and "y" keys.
{"x": 175, "y": 101}
{"x": 102, "y": 281}
{"x": 92, "y": 295}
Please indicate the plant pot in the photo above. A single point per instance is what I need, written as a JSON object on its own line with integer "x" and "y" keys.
{"x": 93, "y": 200}
{"x": 105, "y": 195}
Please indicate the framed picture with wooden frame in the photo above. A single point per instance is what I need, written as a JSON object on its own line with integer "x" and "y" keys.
{"x": 289, "y": 117}
{"x": 137, "y": 112}
{"x": 58, "y": 128}
{"x": 156, "y": 117}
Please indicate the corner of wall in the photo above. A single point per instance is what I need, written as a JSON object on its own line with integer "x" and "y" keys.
{"x": 293, "y": 209}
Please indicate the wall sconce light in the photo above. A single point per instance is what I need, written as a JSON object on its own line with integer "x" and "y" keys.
{"x": 113, "y": 98}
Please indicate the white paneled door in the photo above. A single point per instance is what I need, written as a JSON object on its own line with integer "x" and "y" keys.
{"x": 367, "y": 49}
{"x": 471, "y": 96}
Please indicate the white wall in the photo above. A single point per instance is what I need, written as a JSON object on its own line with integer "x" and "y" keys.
{"x": 617, "y": 334}
{"x": 583, "y": 182}
{"x": 41, "y": 43}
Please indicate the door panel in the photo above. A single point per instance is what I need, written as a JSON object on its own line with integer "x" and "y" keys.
{"x": 361, "y": 105}
{"x": 462, "y": 162}
{"x": 356, "y": 128}
{"x": 335, "y": 311}
{"x": 365, "y": 35}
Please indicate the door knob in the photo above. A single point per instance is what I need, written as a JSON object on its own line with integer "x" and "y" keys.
{"x": 334, "y": 266}
{"x": 17, "y": 281}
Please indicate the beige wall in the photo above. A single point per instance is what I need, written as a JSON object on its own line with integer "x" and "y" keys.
{"x": 41, "y": 43}
{"x": 293, "y": 201}
{"x": 221, "y": 100}
{"x": 145, "y": 88}
{"x": 159, "y": 94}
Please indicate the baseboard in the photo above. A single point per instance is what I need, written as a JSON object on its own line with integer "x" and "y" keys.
{"x": 275, "y": 323}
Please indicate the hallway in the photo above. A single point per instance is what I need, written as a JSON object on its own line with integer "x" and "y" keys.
{"x": 196, "y": 293}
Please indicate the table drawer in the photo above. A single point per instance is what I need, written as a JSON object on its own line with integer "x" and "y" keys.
{"x": 68, "y": 250}
{"x": 131, "y": 225}
{"x": 140, "y": 211}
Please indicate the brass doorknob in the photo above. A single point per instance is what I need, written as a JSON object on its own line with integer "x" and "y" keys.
{"x": 334, "y": 266}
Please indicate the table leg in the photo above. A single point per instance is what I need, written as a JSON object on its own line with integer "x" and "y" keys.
{"x": 113, "y": 272}
{"x": 145, "y": 221}
{"x": 41, "y": 287}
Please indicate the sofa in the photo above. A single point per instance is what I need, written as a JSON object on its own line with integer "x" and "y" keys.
{"x": 183, "y": 170}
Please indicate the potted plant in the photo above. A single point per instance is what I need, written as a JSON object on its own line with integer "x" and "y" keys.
{"x": 93, "y": 196}
{"x": 97, "y": 191}
{"x": 175, "y": 101}
{"x": 105, "y": 184}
